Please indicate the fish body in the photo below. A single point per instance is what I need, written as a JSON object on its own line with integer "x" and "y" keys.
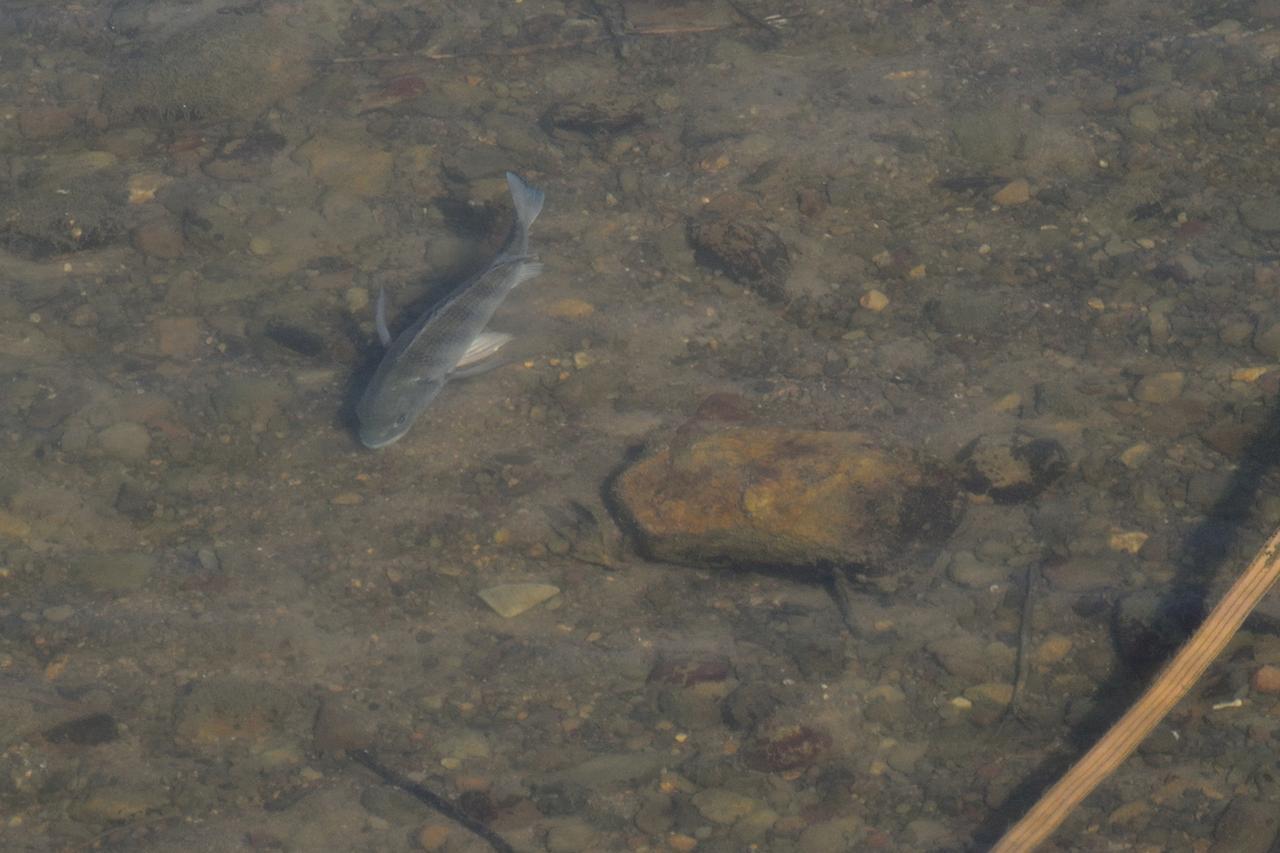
{"x": 448, "y": 340}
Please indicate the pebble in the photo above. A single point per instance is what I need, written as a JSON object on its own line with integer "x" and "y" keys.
{"x": 84, "y": 317}
{"x": 357, "y": 299}
{"x": 749, "y": 252}
{"x": 720, "y": 805}
{"x": 391, "y": 804}
{"x": 120, "y": 802}
{"x": 970, "y": 657}
{"x": 219, "y": 713}
{"x": 810, "y": 201}
{"x": 143, "y": 186}
{"x": 884, "y": 703}
{"x": 433, "y": 836}
{"x": 842, "y": 833}
{"x": 754, "y": 827}
{"x": 681, "y": 843}
{"x": 13, "y": 527}
{"x": 342, "y": 724}
{"x": 1148, "y": 626}
{"x": 606, "y": 771}
{"x": 248, "y": 401}
{"x": 957, "y": 311}
{"x": 904, "y": 757}
{"x": 113, "y": 572}
{"x": 1261, "y": 214}
{"x": 989, "y": 700}
{"x": 90, "y": 730}
{"x": 352, "y": 165}
{"x": 928, "y": 834}
{"x": 1011, "y": 467}
{"x": 1247, "y": 826}
{"x": 159, "y": 239}
{"x": 1133, "y": 814}
{"x": 45, "y": 122}
{"x": 779, "y": 747}
{"x": 1267, "y": 341}
{"x": 178, "y": 337}
{"x": 511, "y": 599}
{"x": 1082, "y": 574}
{"x": 1133, "y": 455}
{"x": 1053, "y": 649}
{"x": 874, "y": 300}
{"x": 1160, "y": 388}
{"x": 1143, "y": 117}
{"x": 1249, "y": 374}
{"x": 1015, "y": 192}
{"x": 968, "y": 571}
{"x": 571, "y": 309}
{"x": 1127, "y": 541}
{"x": 126, "y": 441}
{"x": 1266, "y": 679}
{"x": 654, "y": 817}
{"x": 572, "y": 836}
{"x": 208, "y": 559}
{"x": 750, "y": 704}
{"x": 989, "y": 138}
{"x": 58, "y": 613}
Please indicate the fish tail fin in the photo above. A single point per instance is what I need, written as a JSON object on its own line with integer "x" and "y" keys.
{"x": 527, "y": 199}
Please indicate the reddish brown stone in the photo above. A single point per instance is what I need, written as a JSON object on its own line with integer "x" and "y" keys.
{"x": 178, "y": 336}
{"x": 810, "y": 201}
{"x": 45, "y": 122}
{"x": 686, "y": 672}
{"x": 724, "y": 406}
{"x": 778, "y": 748}
{"x": 786, "y": 498}
{"x": 749, "y": 252}
{"x": 159, "y": 239}
{"x": 1267, "y": 679}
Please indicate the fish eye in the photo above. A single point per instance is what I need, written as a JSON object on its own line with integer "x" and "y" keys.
{"x": 400, "y": 420}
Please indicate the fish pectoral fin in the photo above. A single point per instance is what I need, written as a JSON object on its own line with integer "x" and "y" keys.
{"x": 486, "y": 344}
{"x": 477, "y": 368}
{"x": 528, "y": 270}
{"x": 380, "y": 318}
{"x": 480, "y": 357}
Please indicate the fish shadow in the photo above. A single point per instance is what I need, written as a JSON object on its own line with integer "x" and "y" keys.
{"x": 1182, "y": 607}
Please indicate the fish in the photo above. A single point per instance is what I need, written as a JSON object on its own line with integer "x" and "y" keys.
{"x": 449, "y": 340}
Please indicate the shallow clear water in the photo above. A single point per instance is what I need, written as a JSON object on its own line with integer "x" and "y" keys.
{"x": 1029, "y": 254}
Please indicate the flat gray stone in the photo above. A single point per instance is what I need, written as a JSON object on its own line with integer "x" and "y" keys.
{"x": 512, "y": 599}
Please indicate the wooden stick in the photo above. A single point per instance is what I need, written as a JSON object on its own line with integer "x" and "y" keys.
{"x": 1174, "y": 681}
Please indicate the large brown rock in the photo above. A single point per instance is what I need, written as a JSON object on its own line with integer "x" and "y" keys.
{"x": 792, "y": 498}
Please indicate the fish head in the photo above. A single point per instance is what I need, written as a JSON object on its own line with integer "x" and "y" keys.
{"x": 386, "y": 412}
